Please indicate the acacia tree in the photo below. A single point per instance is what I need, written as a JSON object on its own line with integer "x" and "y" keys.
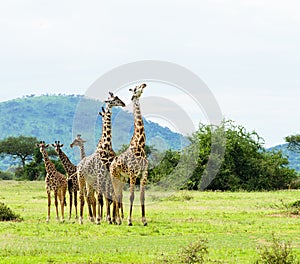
{"x": 20, "y": 147}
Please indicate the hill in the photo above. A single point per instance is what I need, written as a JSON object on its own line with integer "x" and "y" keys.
{"x": 61, "y": 117}
{"x": 293, "y": 157}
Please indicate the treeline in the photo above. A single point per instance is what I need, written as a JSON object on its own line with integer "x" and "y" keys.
{"x": 226, "y": 158}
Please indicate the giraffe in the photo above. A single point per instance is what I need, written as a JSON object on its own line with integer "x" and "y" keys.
{"x": 70, "y": 169}
{"x": 132, "y": 163}
{"x": 79, "y": 142}
{"x": 95, "y": 168}
{"x": 55, "y": 181}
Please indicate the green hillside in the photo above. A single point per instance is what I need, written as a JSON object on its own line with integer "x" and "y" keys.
{"x": 61, "y": 117}
{"x": 293, "y": 157}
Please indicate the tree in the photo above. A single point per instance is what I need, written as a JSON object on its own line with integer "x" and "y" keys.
{"x": 293, "y": 142}
{"x": 246, "y": 164}
{"x": 163, "y": 169}
{"x": 21, "y": 147}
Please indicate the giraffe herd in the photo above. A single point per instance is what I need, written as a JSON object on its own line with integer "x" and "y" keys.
{"x": 101, "y": 176}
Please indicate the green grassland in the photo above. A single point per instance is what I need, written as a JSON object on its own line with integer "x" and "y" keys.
{"x": 234, "y": 223}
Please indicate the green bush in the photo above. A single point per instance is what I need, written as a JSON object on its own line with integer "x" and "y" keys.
{"x": 277, "y": 252}
{"x": 196, "y": 252}
{"x": 6, "y": 214}
{"x": 6, "y": 175}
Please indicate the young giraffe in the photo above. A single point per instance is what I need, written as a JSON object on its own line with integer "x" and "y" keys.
{"x": 95, "y": 168}
{"x": 55, "y": 181}
{"x": 70, "y": 169}
{"x": 79, "y": 142}
{"x": 132, "y": 163}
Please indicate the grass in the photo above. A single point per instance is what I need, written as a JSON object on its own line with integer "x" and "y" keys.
{"x": 234, "y": 224}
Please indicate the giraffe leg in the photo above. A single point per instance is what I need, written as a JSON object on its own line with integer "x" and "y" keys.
{"x": 131, "y": 198}
{"x": 71, "y": 201}
{"x": 75, "y": 204}
{"x": 142, "y": 196}
{"x": 56, "y": 203}
{"x": 114, "y": 211}
{"x": 99, "y": 207}
{"x": 109, "y": 200}
{"x": 121, "y": 206}
{"x": 62, "y": 203}
{"x": 92, "y": 201}
{"x": 117, "y": 186}
{"x": 49, "y": 204}
{"x": 82, "y": 192}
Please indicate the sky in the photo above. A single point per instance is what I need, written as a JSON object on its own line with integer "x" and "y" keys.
{"x": 246, "y": 51}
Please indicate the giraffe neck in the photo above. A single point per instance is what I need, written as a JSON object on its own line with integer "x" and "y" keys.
{"x": 82, "y": 151}
{"x": 68, "y": 165}
{"x": 50, "y": 167}
{"x": 138, "y": 139}
{"x": 105, "y": 143}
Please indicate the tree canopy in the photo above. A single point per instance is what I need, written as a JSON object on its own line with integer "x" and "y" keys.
{"x": 293, "y": 142}
{"x": 245, "y": 164}
{"x": 21, "y": 147}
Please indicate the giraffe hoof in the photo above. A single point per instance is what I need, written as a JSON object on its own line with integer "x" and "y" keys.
{"x": 145, "y": 224}
{"x": 129, "y": 224}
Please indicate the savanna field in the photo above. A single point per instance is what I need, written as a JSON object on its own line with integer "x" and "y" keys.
{"x": 234, "y": 224}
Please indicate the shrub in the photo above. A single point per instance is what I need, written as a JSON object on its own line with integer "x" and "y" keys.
{"x": 277, "y": 252}
{"x": 6, "y": 214}
{"x": 195, "y": 252}
{"x": 5, "y": 175}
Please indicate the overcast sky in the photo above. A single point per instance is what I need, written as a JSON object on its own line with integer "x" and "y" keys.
{"x": 246, "y": 51}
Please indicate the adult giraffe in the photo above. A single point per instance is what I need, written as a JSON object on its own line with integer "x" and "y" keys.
{"x": 70, "y": 169}
{"x": 95, "y": 168}
{"x": 132, "y": 163}
{"x": 55, "y": 181}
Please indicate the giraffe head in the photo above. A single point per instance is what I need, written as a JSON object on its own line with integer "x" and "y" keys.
{"x": 57, "y": 146}
{"x": 113, "y": 101}
{"x": 42, "y": 146}
{"x": 137, "y": 91}
{"x": 78, "y": 141}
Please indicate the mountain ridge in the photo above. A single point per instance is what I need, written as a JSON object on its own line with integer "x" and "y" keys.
{"x": 52, "y": 117}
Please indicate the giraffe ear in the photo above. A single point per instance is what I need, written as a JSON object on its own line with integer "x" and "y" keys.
{"x": 37, "y": 145}
{"x": 61, "y": 145}
{"x": 47, "y": 145}
{"x": 53, "y": 145}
